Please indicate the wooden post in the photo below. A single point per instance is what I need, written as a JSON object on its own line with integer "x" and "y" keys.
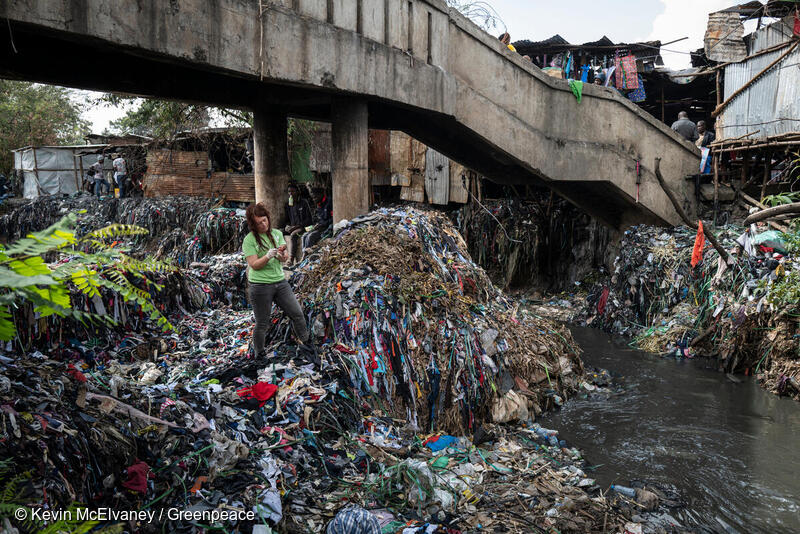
{"x": 745, "y": 168}
{"x": 719, "y": 95}
{"x": 716, "y": 187}
{"x": 767, "y": 173}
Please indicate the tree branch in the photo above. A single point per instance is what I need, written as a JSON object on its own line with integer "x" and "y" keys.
{"x": 678, "y": 208}
{"x": 768, "y": 213}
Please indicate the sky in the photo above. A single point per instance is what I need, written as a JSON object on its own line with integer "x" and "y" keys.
{"x": 577, "y": 21}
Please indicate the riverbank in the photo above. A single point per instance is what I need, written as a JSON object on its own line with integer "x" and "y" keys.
{"x": 743, "y": 315}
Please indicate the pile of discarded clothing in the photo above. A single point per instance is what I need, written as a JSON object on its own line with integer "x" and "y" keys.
{"x": 426, "y": 330}
{"x": 411, "y": 336}
{"x": 674, "y": 294}
{"x": 182, "y": 229}
{"x": 545, "y": 243}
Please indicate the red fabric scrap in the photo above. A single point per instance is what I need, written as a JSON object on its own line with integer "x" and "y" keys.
{"x": 601, "y": 303}
{"x": 138, "y": 473}
{"x": 261, "y": 391}
{"x": 796, "y": 29}
{"x": 75, "y": 373}
{"x": 699, "y": 243}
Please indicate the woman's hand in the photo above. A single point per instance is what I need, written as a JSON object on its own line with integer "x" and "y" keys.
{"x": 283, "y": 254}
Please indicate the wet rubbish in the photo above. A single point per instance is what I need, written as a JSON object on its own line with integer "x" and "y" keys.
{"x": 656, "y": 297}
{"x": 546, "y": 243}
{"x": 423, "y": 322}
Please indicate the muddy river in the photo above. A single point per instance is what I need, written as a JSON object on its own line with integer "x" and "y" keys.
{"x": 731, "y": 449}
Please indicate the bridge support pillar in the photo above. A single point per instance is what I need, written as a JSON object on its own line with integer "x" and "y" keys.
{"x": 271, "y": 162}
{"x": 350, "y": 137}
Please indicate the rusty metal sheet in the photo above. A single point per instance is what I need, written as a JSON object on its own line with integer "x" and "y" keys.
{"x": 380, "y": 170}
{"x": 437, "y": 177}
{"x": 724, "y": 40}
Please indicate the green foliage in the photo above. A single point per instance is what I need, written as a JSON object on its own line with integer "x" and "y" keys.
{"x": 785, "y": 291}
{"x": 782, "y": 198}
{"x": 36, "y": 114}
{"x": 92, "y": 264}
{"x": 162, "y": 119}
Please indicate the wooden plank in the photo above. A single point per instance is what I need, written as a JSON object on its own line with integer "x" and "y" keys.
{"x": 416, "y": 191}
{"x": 437, "y": 177}
{"x": 379, "y": 157}
{"x": 459, "y": 190}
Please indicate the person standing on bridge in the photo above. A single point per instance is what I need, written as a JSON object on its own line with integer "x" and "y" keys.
{"x": 506, "y": 40}
{"x": 265, "y": 249}
{"x": 706, "y": 137}
{"x": 685, "y": 127}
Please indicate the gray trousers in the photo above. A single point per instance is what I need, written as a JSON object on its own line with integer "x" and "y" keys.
{"x": 261, "y": 298}
{"x": 294, "y": 245}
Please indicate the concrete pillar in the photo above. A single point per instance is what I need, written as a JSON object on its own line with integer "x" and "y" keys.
{"x": 271, "y": 162}
{"x": 350, "y": 176}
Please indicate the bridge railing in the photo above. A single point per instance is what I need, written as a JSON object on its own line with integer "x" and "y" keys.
{"x": 418, "y": 27}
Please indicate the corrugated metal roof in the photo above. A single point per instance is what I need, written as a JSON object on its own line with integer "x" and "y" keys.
{"x": 771, "y": 105}
{"x": 724, "y": 38}
{"x": 771, "y": 35}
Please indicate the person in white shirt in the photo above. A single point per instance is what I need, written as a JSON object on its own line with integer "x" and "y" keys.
{"x": 120, "y": 174}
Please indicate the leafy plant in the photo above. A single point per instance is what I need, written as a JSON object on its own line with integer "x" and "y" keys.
{"x": 88, "y": 264}
{"x": 785, "y": 291}
{"x": 782, "y": 198}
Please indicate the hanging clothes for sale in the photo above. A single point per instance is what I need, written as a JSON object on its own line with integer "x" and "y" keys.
{"x": 585, "y": 73}
{"x": 638, "y": 94}
{"x": 627, "y": 76}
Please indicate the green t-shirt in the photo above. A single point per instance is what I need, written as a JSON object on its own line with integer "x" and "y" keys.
{"x": 272, "y": 272}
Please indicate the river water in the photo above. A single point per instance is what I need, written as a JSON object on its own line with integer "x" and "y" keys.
{"x": 731, "y": 449}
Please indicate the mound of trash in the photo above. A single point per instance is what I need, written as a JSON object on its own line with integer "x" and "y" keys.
{"x": 728, "y": 311}
{"x": 411, "y": 337}
{"x": 426, "y": 329}
{"x": 181, "y": 229}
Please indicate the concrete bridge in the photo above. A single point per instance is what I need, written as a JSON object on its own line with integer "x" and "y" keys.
{"x": 411, "y": 65}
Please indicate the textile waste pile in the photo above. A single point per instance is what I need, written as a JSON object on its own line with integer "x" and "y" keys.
{"x": 738, "y": 313}
{"x": 181, "y": 229}
{"x": 411, "y": 337}
{"x": 545, "y": 243}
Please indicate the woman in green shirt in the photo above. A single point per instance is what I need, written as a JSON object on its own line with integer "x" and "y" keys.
{"x": 265, "y": 249}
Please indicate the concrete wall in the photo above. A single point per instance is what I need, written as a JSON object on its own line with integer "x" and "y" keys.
{"x": 458, "y": 85}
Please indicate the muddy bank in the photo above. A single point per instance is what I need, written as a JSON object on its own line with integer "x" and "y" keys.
{"x": 545, "y": 243}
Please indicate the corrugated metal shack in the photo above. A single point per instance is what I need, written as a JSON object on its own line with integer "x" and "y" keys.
{"x": 758, "y": 116}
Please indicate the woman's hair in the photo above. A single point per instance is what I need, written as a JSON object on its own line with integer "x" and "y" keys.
{"x": 259, "y": 210}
